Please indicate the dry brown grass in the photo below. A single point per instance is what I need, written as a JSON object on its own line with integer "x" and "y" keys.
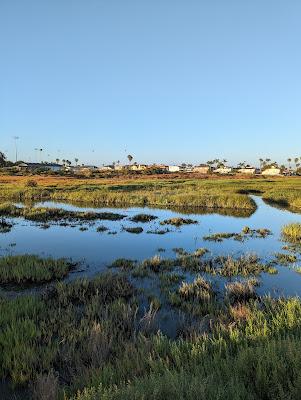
{"x": 70, "y": 180}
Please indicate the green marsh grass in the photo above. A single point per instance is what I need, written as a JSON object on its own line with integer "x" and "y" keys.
{"x": 224, "y": 194}
{"x": 32, "y": 269}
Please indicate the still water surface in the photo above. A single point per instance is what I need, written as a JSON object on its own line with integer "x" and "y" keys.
{"x": 97, "y": 250}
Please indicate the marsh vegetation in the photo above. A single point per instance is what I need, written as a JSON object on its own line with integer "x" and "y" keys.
{"x": 170, "y": 316}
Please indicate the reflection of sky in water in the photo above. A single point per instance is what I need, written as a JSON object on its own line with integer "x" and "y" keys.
{"x": 100, "y": 249}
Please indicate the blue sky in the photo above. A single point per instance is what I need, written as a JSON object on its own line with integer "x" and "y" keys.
{"x": 164, "y": 80}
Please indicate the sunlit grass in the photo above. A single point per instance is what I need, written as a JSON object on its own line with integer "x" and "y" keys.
{"x": 31, "y": 268}
{"x": 292, "y": 232}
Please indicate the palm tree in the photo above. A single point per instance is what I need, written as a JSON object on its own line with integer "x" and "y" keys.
{"x": 289, "y": 160}
{"x": 130, "y": 158}
{"x": 296, "y": 161}
{"x": 76, "y": 161}
{"x": 57, "y": 160}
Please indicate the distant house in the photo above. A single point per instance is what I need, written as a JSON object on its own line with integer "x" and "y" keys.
{"x": 223, "y": 170}
{"x": 47, "y": 166}
{"x": 271, "y": 171}
{"x": 138, "y": 167}
{"x": 173, "y": 168}
{"x": 118, "y": 167}
{"x": 247, "y": 170}
{"x": 201, "y": 169}
{"x": 162, "y": 167}
{"x": 186, "y": 168}
{"x": 106, "y": 168}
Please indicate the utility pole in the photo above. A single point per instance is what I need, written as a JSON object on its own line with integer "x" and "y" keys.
{"x": 16, "y": 147}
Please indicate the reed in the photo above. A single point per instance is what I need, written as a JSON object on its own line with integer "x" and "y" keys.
{"x": 292, "y": 232}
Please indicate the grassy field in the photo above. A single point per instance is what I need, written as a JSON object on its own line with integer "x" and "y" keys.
{"x": 212, "y": 193}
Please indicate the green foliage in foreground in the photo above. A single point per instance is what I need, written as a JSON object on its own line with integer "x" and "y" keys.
{"x": 90, "y": 334}
{"x": 31, "y": 268}
{"x": 256, "y": 355}
{"x": 73, "y": 329}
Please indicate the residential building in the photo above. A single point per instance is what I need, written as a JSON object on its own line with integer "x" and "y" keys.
{"x": 271, "y": 171}
{"x": 247, "y": 170}
{"x": 49, "y": 166}
{"x": 223, "y": 170}
{"x": 173, "y": 168}
{"x": 201, "y": 169}
{"x": 138, "y": 167}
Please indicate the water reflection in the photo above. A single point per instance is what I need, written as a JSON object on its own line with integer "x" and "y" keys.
{"x": 96, "y": 250}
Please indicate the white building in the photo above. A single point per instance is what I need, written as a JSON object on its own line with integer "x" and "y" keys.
{"x": 247, "y": 170}
{"x": 223, "y": 170}
{"x": 271, "y": 171}
{"x": 173, "y": 168}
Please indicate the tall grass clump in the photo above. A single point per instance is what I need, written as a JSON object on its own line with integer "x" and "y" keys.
{"x": 292, "y": 232}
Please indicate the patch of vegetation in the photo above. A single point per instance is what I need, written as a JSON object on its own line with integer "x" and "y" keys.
{"x": 169, "y": 279}
{"x": 285, "y": 259}
{"x": 42, "y": 214}
{"x": 219, "y": 194}
{"x": 101, "y": 228}
{"x": 157, "y": 264}
{"x": 5, "y": 226}
{"x": 73, "y": 329}
{"x": 292, "y": 232}
{"x": 31, "y": 183}
{"x": 199, "y": 290}
{"x": 238, "y": 292}
{"x": 143, "y": 218}
{"x": 178, "y": 221}
{"x": 244, "y": 266}
{"x": 124, "y": 264}
{"x": 136, "y": 229}
{"x": 246, "y": 233}
{"x": 158, "y": 231}
{"x": 218, "y": 237}
{"x": 32, "y": 269}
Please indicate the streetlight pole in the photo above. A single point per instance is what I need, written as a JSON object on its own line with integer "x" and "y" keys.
{"x": 16, "y": 147}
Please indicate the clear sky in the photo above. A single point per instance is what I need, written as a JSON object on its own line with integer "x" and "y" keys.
{"x": 163, "y": 80}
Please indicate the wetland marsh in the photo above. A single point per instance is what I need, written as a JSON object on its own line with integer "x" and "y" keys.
{"x": 97, "y": 300}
